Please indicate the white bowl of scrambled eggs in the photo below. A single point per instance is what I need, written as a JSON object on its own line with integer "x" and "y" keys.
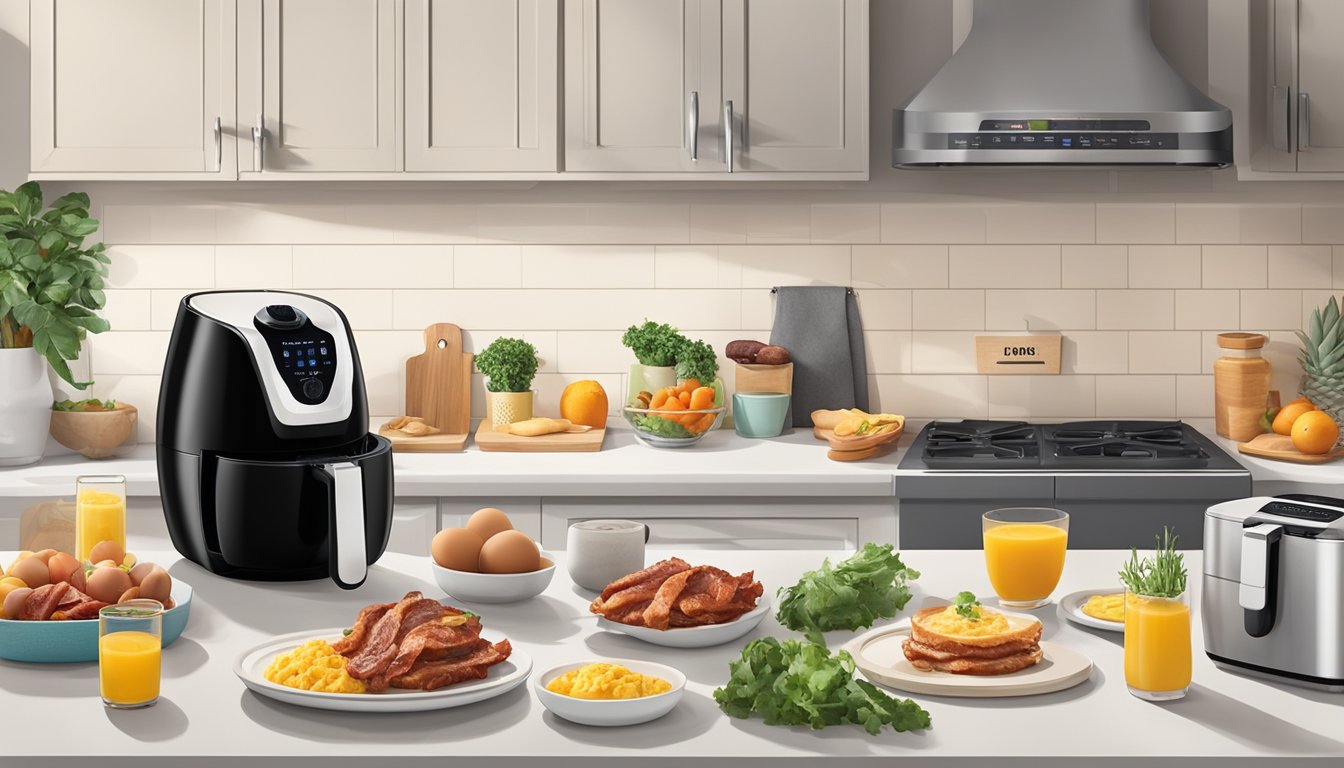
{"x": 610, "y": 692}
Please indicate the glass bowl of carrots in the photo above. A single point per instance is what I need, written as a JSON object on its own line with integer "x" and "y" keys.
{"x": 676, "y": 417}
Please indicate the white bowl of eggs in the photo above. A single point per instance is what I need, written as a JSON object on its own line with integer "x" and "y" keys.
{"x": 489, "y": 562}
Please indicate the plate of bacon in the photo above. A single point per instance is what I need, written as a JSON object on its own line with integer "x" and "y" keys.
{"x": 413, "y": 655}
{"x": 675, "y": 604}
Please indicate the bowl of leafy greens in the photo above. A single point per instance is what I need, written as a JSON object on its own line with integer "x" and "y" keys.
{"x": 673, "y": 428}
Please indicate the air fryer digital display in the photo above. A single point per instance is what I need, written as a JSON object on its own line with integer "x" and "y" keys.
{"x": 305, "y": 357}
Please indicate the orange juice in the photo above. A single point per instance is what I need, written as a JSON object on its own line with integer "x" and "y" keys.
{"x": 1157, "y": 644}
{"x": 1025, "y": 560}
{"x": 99, "y": 516}
{"x": 128, "y": 667}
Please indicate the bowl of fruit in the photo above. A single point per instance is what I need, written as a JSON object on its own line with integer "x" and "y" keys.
{"x": 676, "y": 417}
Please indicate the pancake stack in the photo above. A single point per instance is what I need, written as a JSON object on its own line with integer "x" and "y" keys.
{"x": 1016, "y": 648}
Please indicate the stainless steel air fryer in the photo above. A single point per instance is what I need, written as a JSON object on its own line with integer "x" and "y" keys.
{"x": 267, "y": 469}
{"x": 1273, "y": 590}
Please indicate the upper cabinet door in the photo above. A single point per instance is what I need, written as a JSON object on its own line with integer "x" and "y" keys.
{"x": 796, "y": 75}
{"x": 328, "y": 86}
{"x": 133, "y": 87}
{"x": 482, "y": 79}
{"x": 642, "y": 85}
{"x": 1320, "y": 97}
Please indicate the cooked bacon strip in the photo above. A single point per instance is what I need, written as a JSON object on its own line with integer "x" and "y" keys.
{"x": 87, "y": 609}
{"x": 673, "y": 594}
{"x": 448, "y": 641}
{"x": 659, "y": 612}
{"x": 43, "y": 601}
{"x": 430, "y": 676}
{"x": 368, "y": 616}
{"x": 380, "y": 648}
{"x": 656, "y": 573}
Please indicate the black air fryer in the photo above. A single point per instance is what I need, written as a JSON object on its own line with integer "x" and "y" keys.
{"x": 267, "y": 469}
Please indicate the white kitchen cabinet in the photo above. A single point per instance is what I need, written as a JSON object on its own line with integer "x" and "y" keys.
{"x": 318, "y": 87}
{"x": 414, "y": 523}
{"x": 482, "y": 83}
{"x": 142, "y": 87}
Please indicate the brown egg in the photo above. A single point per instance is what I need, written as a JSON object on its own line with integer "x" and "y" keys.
{"x": 457, "y": 549}
{"x": 158, "y": 585}
{"x": 14, "y": 602}
{"x": 510, "y": 552}
{"x": 107, "y": 550}
{"x": 62, "y": 567}
{"x": 488, "y": 522}
{"x": 32, "y": 571}
{"x": 108, "y": 584}
{"x": 139, "y": 571}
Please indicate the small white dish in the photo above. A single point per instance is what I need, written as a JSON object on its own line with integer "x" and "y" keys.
{"x": 694, "y": 637}
{"x": 250, "y": 667}
{"x": 1071, "y": 608}
{"x": 494, "y": 587}
{"x": 618, "y": 711}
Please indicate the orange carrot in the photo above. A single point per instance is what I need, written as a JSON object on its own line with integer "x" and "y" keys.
{"x": 659, "y": 398}
{"x": 674, "y": 404}
{"x": 685, "y": 398}
{"x": 702, "y": 398}
{"x": 689, "y": 385}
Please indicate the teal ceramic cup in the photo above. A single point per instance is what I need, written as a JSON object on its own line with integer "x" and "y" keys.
{"x": 760, "y": 414}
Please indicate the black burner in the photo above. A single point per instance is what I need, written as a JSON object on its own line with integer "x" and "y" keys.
{"x": 978, "y": 443}
{"x": 982, "y": 444}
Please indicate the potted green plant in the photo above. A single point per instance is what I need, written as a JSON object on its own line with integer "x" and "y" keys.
{"x": 655, "y": 346}
{"x": 697, "y": 360}
{"x": 509, "y": 366}
{"x": 51, "y": 288}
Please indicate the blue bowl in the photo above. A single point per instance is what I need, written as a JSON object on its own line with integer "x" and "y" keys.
{"x": 760, "y": 414}
{"x": 55, "y": 642}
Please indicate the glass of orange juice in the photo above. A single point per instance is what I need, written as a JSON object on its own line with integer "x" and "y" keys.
{"x": 1157, "y": 646}
{"x": 1024, "y": 553}
{"x": 100, "y": 512}
{"x": 130, "y": 645}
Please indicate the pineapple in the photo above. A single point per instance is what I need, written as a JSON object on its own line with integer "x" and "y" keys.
{"x": 1322, "y": 361}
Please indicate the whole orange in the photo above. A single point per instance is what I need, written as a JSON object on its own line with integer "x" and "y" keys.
{"x": 1283, "y": 422}
{"x": 1315, "y": 432}
{"x": 584, "y": 402}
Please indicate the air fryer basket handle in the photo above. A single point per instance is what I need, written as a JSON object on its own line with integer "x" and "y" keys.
{"x": 1258, "y": 593}
{"x": 348, "y": 555}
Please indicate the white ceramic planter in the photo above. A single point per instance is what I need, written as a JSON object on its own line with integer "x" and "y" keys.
{"x": 508, "y": 407}
{"x": 25, "y": 406}
{"x": 649, "y": 378}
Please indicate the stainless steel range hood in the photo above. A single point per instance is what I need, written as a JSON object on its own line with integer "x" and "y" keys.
{"x": 1060, "y": 82}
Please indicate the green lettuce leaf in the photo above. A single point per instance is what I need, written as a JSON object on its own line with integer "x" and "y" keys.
{"x": 869, "y": 586}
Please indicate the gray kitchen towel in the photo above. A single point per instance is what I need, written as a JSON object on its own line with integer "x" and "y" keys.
{"x": 819, "y": 325}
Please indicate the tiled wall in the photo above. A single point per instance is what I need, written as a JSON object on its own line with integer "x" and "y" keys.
{"x": 1139, "y": 290}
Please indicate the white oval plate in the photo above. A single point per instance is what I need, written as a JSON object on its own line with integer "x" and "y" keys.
{"x": 1071, "y": 608}
{"x": 615, "y": 712}
{"x": 250, "y": 667}
{"x": 878, "y": 655}
{"x": 694, "y": 637}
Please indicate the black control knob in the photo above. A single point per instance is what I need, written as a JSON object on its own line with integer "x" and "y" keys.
{"x": 281, "y": 316}
{"x": 313, "y": 389}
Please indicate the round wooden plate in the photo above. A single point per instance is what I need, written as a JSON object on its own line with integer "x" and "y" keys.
{"x": 858, "y": 443}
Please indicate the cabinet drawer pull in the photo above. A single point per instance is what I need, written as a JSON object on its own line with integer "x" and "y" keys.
{"x": 728, "y": 134}
{"x": 693, "y": 125}
{"x": 258, "y": 140}
{"x": 219, "y": 144}
{"x": 1303, "y": 122}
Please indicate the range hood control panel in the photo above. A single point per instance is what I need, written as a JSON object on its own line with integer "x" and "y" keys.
{"x": 1070, "y": 141}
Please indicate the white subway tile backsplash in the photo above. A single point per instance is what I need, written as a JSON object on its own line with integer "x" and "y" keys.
{"x": 1208, "y": 310}
{"x": 1136, "y": 397}
{"x": 487, "y": 266}
{"x": 1277, "y": 310}
{"x": 1164, "y": 266}
{"x": 373, "y": 266}
{"x": 931, "y": 397}
{"x": 899, "y": 266}
{"x": 758, "y": 309}
{"x": 888, "y": 351}
{"x": 778, "y": 224}
{"x": 768, "y": 266}
{"x": 879, "y": 310}
{"x": 547, "y": 344}
{"x": 1164, "y": 352}
{"x": 576, "y": 309}
{"x": 1004, "y": 266}
{"x": 1300, "y": 266}
{"x": 1235, "y": 266}
{"x": 592, "y": 352}
{"x": 531, "y": 223}
{"x": 127, "y": 310}
{"x": 1057, "y": 223}
{"x": 1136, "y": 223}
{"x": 1042, "y": 397}
{"x": 714, "y": 224}
{"x": 161, "y": 266}
{"x": 367, "y": 310}
{"x": 1194, "y": 397}
{"x": 382, "y": 357}
{"x": 1208, "y": 224}
{"x": 933, "y": 224}
{"x": 649, "y": 224}
{"x": 942, "y": 352}
{"x": 846, "y": 224}
{"x": 142, "y": 391}
{"x": 588, "y": 266}
{"x": 254, "y": 266}
{"x": 1094, "y": 266}
{"x": 410, "y": 224}
{"x": 1282, "y": 352}
{"x": 694, "y": 266}
{"x": 281, "y": 223}
{"x": 1040, "y": 310}
{"x": 1271, "y": 224}
{"x": 128, "y": 352}
{"x": 1136, "y": 310}
{"x": 1095, "y": 352}
{"x": 1323, "y": 223}
{"x": 163, "y": 306}
{"x": 949, "y": 310}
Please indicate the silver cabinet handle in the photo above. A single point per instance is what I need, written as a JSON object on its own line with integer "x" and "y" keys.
{"x": 1303, "y": 122}
{"x": 258, "y": 139}
{"x": 219, "y": 144}
{"x": 1280, "y": 115}
{"x": 728, "y": 134}
{"x": 693, "y": 125}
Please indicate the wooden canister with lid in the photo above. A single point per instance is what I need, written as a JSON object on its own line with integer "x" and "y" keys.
{"x": 1240, "y": 386}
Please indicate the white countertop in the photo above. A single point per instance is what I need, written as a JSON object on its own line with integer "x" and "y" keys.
{"x": 207, "y": 714}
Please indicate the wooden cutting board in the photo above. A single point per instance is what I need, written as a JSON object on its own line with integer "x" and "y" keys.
{"x": 1280, "y": 448}
{"x": 487, "y": 439}
{"x": 438, "y": 390}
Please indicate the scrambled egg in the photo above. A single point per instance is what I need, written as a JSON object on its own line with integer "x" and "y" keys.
{"x": 313, "y": 666}
{"x": 949, "y": 622}
{"x": 601, "y": 680}
{"x": 1106, "y": 607}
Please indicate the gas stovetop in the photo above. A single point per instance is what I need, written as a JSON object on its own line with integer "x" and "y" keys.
{"x": 1093, "y": 445}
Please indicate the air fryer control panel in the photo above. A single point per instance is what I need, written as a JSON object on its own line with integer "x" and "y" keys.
{"x": 304, "y": 354}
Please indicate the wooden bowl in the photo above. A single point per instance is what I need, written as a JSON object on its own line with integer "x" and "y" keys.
{"x": 95, "y": 434}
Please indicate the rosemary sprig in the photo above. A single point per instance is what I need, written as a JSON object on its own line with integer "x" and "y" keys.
{"x": 1162, "y": 575}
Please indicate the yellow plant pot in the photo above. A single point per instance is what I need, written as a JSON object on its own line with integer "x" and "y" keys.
{"x": 508, "y": 407}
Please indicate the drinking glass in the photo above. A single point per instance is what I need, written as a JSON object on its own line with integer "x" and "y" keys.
{"x": 1024, "y": 553}
{"x": 130, "y": 645}
{"x": 1157, "y": 646}
{"x": 100, "y": 512}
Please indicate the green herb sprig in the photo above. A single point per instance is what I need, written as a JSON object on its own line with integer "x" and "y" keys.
{"x": 654, "y": 344}
{"x": 967, "y": 606}
{"x": 509, "y": 365}
{"x": 1162, "y": 575}
{"x": 696, "y": 360}
{"x": 870, "y": 585}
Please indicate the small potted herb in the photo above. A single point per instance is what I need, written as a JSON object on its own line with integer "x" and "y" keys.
{"x": 655, "y": 346}
{"x": 509, "y": 366}
{"x": 1157, "y": 622}
{"x": 98, "y": 429}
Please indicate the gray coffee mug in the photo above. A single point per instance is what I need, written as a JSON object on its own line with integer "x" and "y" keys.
{"x": 598, "y": 552}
